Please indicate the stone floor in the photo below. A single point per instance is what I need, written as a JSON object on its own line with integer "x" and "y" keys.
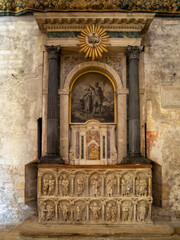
{"x": 31, "y": 230}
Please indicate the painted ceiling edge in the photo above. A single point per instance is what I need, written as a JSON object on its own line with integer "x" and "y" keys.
{"x": 20, "y": 7}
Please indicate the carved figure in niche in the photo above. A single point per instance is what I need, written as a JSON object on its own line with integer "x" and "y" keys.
{"x": 108, "y": 211}
{"x": 95, "y": 185}
{"x": 43, "y": 211}
{"x": 114, "y": 212}
{"x": 143, "y": 187}
{"x": 80, "y": 186}
{"x": 48, "y": 185}
{"x": 126, "y": 212}
{"x": 96, "y": 211}
{"x": 64, "y": 183}
{"x": 110, "y": 185}
{"x": 64, "y": 208}
{"x": 111, "y": 212}
{"x": 141, "y": 213}
{"x": 126, "y": 185}
{"x": 45, "y": 186}
{"x": 79, "y": 211}
{"x": 51, "y": 185}
{"x": 50, "y": 212}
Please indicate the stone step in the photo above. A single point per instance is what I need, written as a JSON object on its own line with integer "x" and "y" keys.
{"x": 16, "y": 236}
{"x": 31, "y": 229}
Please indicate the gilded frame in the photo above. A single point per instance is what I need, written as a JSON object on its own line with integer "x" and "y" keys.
{"x": 70, "y": 93}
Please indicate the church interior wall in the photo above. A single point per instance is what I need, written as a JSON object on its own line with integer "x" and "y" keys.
{"x": 21, "y": 57}
{"x": 162, "y": 96}
{"x": 22, "y": 94}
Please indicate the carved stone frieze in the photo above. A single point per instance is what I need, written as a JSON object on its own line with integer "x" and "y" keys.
{"x": 97, "y": 195}
{"x": 70, "y": 61}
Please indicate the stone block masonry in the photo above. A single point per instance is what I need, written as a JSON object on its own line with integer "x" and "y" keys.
{"x": 21, "y": 57}
{"x": 162, "y": 91}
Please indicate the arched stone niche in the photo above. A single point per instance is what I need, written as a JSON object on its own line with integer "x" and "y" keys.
{"x": 120, "y": 127}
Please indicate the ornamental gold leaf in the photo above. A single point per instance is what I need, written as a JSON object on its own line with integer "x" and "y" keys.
{"x": 93, "y": 41}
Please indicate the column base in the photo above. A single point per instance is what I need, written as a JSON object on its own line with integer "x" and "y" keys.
{"x": 51, "y": 159}
{"x": 136, "y": 159}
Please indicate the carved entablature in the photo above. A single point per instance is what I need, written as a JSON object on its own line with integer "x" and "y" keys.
{"x": 94, "y": 195}
{"x": 78, "y": 21}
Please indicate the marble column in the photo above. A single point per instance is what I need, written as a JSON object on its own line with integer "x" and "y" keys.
{"x": 134, "y": 105}
{"x": 134, "y": 156}
{"x": 52, "y": 155}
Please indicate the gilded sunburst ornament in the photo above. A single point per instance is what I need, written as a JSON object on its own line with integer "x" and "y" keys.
{"x": 93, "y": 41}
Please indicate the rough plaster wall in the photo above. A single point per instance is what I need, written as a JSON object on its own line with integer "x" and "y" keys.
{"x": 161, "y": 69}
{"x": 21, "y": 57}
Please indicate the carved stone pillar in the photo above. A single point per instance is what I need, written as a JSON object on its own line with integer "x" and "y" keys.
{"x": 52, "y": 155}
{"x": 134, "y": 106}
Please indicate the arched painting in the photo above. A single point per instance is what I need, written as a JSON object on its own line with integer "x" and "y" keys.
{"x": 92, "y": 98}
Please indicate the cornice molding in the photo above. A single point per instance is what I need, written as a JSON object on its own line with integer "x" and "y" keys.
{"x": 137, "y": 22}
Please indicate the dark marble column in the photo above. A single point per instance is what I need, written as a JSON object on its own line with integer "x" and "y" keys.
{"x": 52, "y": 155}
{"x": 134, "y": 107}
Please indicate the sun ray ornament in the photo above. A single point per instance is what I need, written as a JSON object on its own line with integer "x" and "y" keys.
{"x": 93, "y": 41}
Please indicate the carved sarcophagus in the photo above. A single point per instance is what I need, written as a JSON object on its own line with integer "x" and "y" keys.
{"x": 116, "y": 194}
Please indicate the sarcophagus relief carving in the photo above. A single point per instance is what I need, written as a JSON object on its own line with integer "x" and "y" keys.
{"x": 94, "y": 195}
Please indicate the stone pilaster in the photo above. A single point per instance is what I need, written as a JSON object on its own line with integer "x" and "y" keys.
{"x": 52, "y": 155}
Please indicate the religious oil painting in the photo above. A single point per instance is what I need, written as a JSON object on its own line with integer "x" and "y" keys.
{"x": 92, "y": 98}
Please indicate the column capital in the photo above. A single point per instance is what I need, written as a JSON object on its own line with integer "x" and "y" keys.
{"x": 133, "y": 51}
{"x": 53, "y": 51}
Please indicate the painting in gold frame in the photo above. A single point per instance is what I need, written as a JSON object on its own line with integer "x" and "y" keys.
{"x": 92, "y": 98}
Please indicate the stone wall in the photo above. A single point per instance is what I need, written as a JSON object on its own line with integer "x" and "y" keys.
{"x": 21, "y": 57}
{"x": 162, "y": 93}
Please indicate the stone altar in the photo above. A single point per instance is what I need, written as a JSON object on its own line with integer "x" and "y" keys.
{"x": 92, "y": 187}
{"x": 94, "y": 194}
